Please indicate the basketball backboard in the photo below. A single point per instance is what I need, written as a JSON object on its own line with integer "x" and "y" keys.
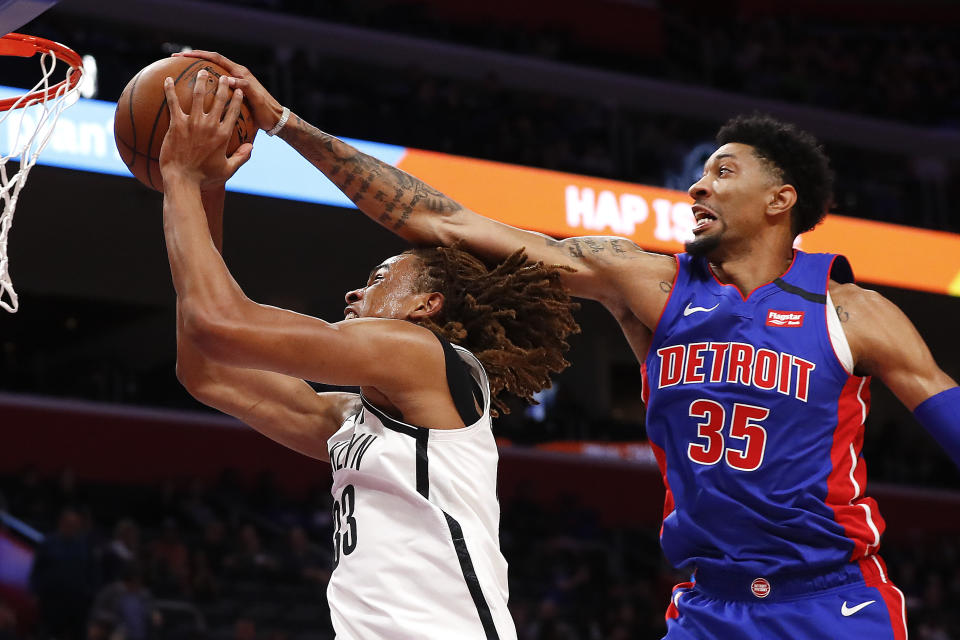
{"x": 16, "y": 13}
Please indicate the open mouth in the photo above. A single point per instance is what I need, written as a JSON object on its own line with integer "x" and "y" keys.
{"x": 704, "y": 217}
{"x": 349, "y": 314}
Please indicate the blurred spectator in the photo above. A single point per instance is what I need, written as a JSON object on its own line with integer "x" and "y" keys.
{"x": 127, "y": 606}
{"x": 195, "y": 506}
{"x": 122, "y": 550}
{"x": 244, "y": 629}
{"x": 64, "y": 578}
{"x": 549, "y": 625}
{"x": 204, "y": 586}
{"x": 8, "y": 623}
{"x": 251, "y": 560}
{"x": 99, "y": 629}
{"x": 318, "y": 513}
{"x": 29, "y": 497}
{"x": 170, "y": 562}
{"x": 67, "y": 491}
{"x": 302, "y": 562}
{"x": 214, "y": 544}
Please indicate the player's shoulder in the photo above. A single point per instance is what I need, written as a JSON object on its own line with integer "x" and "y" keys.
{"x": 853, "y": 298}
{"x": 874, "y": 326}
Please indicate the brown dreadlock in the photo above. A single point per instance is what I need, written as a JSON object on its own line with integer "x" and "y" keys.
{"x": 515, "y": 317}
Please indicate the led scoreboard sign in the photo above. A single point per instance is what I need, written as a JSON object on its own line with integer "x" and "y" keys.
{"x": 559, "y": 204}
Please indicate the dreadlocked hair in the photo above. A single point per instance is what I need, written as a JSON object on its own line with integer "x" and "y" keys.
{"x": 515, "y": 318}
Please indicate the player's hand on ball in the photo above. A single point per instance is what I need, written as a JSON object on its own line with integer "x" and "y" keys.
{"x": 266, "y": 110}
{"x": 195, "y": 146}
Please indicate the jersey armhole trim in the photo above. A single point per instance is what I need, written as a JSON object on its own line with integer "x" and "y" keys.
{"x": 673, "y": 287}
{"x": 464, "y": 391}
{"x": 835, "y": 333}
{"x": 392, "y": 423}
{"x": 482, "y": 386}
{"x": 837, "y": 336}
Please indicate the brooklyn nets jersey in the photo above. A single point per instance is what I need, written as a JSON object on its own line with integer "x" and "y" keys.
{"x": 416, "y": 527}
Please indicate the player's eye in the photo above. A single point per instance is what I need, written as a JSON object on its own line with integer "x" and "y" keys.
{"x": 723, "y": 170}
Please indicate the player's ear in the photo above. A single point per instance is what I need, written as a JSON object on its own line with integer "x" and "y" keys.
{"x": 782, "y": 198}
{"x": 428, "y": 305}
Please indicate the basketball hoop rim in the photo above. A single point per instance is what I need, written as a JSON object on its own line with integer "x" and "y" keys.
{"x": 24, "y": 46}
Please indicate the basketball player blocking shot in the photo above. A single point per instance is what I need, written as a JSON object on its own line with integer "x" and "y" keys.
{"x": 757, "y": 360}
{"x": 433, "y": 340}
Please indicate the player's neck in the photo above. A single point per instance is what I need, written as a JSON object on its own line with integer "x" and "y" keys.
{"x": 750, "y": 269}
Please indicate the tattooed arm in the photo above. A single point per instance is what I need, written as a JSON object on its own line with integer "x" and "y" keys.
{"x": 884, "y": 343}
{"x": 422, "y": 215}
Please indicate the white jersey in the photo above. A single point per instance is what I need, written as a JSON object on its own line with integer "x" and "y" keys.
{"x": 416, "y": 529}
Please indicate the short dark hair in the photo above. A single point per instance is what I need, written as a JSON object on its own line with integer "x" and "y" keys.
{"x": 515, "y": 317}
{"x": 797, "y": 156}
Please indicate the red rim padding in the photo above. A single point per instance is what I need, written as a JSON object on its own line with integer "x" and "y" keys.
{"x": 18, "y": 44}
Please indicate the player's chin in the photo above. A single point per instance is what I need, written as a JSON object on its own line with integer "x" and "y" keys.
{"x": 703, "y": 243}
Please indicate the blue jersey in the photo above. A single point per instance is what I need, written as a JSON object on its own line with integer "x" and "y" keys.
{"x": 757, "y": 425}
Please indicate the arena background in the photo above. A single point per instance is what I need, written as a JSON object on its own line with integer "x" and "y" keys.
{"x": 617, "y": 96}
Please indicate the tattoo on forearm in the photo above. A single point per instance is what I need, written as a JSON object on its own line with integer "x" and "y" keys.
{"x": 407, "y": 212}
{"x": 595, "y": 245}
{"x": 843, "y": 314}
{"x": 357, "y": 174}
{"x": 573, "y": 247}
{"x": 599, "y": 248}
{"x": 666, "y": 287}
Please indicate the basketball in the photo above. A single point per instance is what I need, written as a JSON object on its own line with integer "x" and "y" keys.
{"x": 142, "y": 118}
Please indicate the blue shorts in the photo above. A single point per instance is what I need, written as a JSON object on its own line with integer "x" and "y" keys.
{"x": 854, "y": 602}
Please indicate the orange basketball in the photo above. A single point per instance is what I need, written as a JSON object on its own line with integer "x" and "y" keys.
{"x": 142, "y": 118}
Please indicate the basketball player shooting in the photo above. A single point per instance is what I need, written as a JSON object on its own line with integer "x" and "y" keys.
{"x": 432, "y": 339}
{"x": 757, "y": 361}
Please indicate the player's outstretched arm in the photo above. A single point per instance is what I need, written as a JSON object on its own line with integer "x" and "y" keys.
{"x": 417, "y": 212}
{"x": 401, "y": 360}
{"x": 885, "y": 344}
{"x": 423, "y": 215}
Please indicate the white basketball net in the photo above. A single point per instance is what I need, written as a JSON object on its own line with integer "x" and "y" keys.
{"x": 26, "y": 128}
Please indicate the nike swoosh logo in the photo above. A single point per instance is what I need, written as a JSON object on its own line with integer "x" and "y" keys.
{"x": 690, "y": 309}
{"x": 849, "y": 611}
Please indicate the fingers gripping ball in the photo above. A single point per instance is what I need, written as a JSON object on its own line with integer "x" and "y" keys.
{"x": 142, "y": 117}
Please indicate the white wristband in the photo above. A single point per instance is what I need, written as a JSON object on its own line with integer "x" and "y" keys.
{"x": 282, "y": 121}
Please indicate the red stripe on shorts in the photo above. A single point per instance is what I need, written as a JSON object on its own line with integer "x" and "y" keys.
{"x": 874, "y": 571}
{"x": 672, "y": 612}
